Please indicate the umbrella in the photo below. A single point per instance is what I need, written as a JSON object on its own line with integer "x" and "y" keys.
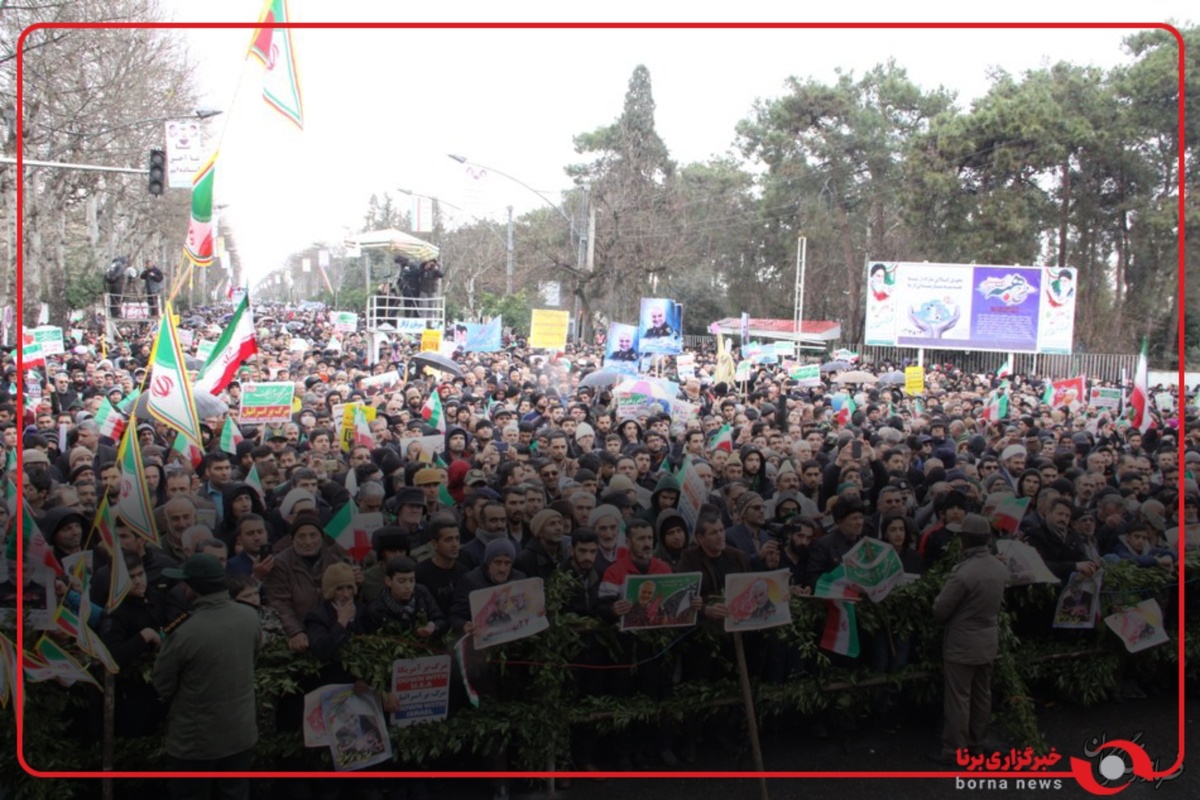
{"x": 835, "y": 366}
{"x": 206, "y": 405}
{"x": 193, "y": 363}
{"x": 600, "y": 379}
{"x": 397, "y": 242}
{"x": 892, "y": 378}
{"x": 435, "y": 360}
{"x": 855, "y": 376}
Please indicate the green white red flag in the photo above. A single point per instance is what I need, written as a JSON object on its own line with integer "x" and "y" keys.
{"x": 723, "y": 440}
{"x": 171, "y": 400}
{"x": 111, "y": 422}
{"x": 1139, "y": 398}
{"x": 119, "y": 581}
{"x": 37, "y": 551}
{"x": 187, "y": 449}
{"x": 234, "y": 348}
{"x": 198, "y": 248}
{"x": 133, "y": 503}
{"x": 231, "y": 436}
{"x": 996, "y": 407}
{"x": 342, "y": 529}
{"x": 431, "y": 412}
{"x": 362, "y": 430}
{"x": 846, "y": 413}
{"x": 841, "y": 624}
{"x": 1006, "y": 369}
{"x": 272, "y": 47}
{"x": 52, "y": 662}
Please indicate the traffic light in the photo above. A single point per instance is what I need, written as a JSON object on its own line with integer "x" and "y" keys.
{"x": 158, "y": 171}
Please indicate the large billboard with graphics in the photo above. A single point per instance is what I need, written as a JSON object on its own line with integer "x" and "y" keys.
{"x": 970, "y": 307}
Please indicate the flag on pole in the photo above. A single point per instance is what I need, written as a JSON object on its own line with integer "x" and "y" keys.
{"x": 231, "y": 436}
{"x": 126, "y": 406}
{"x": 996, "y": 408}
{"x": 89, "y": 640}
{"x": 841, "y": 624}
{"x": 54, "y": 663}
{"x": 133, "y": 503}
{"x": 234, "y": 348}
{"x": 111, "y": 422}
{"x": 273, "y": 48}
{"x": 255, "y": 482}
{"x": 1139, "y": 398}
{"x": 189, "y": 451}
{"x": 36, "y": 550}
{"x": 723, "y": 439}
{"x": 362, "y": 431}
{"x": 1006, "y": 369}
{"x": 119, "y": 581}
{"x": 341, "y": 529}
{"x": 31, "y": 351}
{"x": 171, "y": 398}
{"x": 198, "y": 248}
{"x": 431, "y": 412}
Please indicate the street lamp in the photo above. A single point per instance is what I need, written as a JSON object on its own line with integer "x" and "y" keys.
{"x": 579, "y": 255}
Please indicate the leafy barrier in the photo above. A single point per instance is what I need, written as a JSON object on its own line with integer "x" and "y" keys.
{"x": 539, "y": 704}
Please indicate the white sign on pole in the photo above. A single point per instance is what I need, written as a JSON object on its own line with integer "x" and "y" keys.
{"x": 185, "y": 153}
{"x": 322, "y": 258}
{"x": 422, "y": 214}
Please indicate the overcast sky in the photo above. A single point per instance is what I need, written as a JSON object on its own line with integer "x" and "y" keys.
{"x": 384, "y": 107}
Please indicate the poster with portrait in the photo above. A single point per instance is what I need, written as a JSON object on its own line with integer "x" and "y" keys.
{"x": 508, "y": 612}
{"x": 660, "y": 601}
{"x": 1025, "y": 563}
{"x": 660, "y": 326}
{"x": 757, "y": 600}
{"x": 621, "y": 346}
{"x": 355, "y": 728}
{"x": 1079, "y": 603}
{"x": 1139, "y": 627}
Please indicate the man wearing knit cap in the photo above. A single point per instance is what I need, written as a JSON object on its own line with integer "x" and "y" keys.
{"x": 496, "y": 569}
{"x": 205, "y": 670}
{"x": 544, "y": 552}
{"x": 607, "y": 522}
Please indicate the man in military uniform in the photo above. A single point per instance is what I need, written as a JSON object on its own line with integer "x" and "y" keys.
{"x": 659, "y": 328}
{"x": 624, "y": 350}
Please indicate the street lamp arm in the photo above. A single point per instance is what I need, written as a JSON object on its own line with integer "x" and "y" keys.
{"x": 463, "y": 160}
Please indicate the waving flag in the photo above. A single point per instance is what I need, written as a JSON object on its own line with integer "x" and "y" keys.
{"x": 1006, "y": 369}
{"x": 342, "y": 529}
{"x": 841, "y": 624}
{"x": 234, "y": 348}
{"x": 187, "y": 449}
{"x": 89, "y": 640}
{"x": 996, "y": 407}
{"x": 431, "y": 412}
{"x": 846, "y": 413}
{"x": 362, "y": 430}
{"x": 1139, "y": 398}
{"x": 255, "y": 483}
{"x": 54, "y": 663}
{"x": 231, "y": 436}
{"x": 198, "y": 248}
{"x": 273, "y": 48}
{"x": 170, "y": 391}
{"x": 111, "y": 422}
{"x": 37, "y": 552}
{"x": 723, "y": 440}
{"x": 119, "y": 582}
{"x": 134, "y": 504}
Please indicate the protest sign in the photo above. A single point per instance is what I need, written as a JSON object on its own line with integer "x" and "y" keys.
{"x": 1164, "y": 400}
{"x": 874, "y": 567}
{"x": 660, "y": 601}
{"x": 1102, "y": 397}
{"x": 204, "y": 349}
{"x": 423, "y": 685}
{"x": 660, "y": 326}
{"x": 297, "y": 344}
{"x": 806, "y": 374}
{"x": 385, "y": 380}
{"x": 313, "y": 723}
{"x": 266, "y": 403}
{"x": 914, "y": 380}
{"x": 1025, "y": 564}
{"x": 474, "y": 337}
{"x": 344, "y": 321}
{"x": 548, "y": 329}
{"x": 423, "y": 448}
{"x": 742, "y": 372}
{"x": 757, "y": 600}
{"x": 1079, "y": 604}
{"x": 431, "y": 340}
{"x": 356, "y": 729}
{"x": 186, "y": 337}
{"x": 51, "y": 340}
{"x": 685, "y": 365}
{"x": 508, "y": 612}
{"x": 1139, "y": 627}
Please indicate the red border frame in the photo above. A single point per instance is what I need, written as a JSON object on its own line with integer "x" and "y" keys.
{"x": 943, "y": 774}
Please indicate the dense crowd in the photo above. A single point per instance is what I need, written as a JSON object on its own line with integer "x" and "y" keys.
{"x": 535, "y": 475}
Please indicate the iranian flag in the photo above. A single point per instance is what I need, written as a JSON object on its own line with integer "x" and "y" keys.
{"x": 1139, "y": 398}
{"x": 89, "y": 642}
{"x": 1006, "y": 369}
{"x": 170, "y": 390}
{"x": 1007, "y": 514}
{"x": 341, "y": 529}
{"x": 111, "y": 421}
{"x": 31, "y": 351}
{"x": 233, "y": 349}
{"x": 134, "y": 503}
{"x": 231, "y": 436}
{"x": 723, "y": 440}
{"x": 841, "y": 624}
{"x": 187, "y": 449}
{"x": 119, "y": 582}
{"x": 54, "y": 663}
{"x": 996, "y": 408}
{"x": 362, "y": 431}
{"x": 255, "y": 482}
{"x": 198, "y": 248}
{"x": 36, "y": 550}
{"x": 431, "y": 412}
{"x": 846, "y": 412}
{"x": 272, "y": 47}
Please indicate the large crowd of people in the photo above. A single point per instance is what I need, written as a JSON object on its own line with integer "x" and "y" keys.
{"x": 537, "y": 475}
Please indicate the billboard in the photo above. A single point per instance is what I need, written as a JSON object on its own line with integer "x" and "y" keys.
{"x": 970, "y": 307}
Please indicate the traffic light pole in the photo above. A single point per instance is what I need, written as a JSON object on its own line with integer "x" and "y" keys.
{"x": 29, "y": 162}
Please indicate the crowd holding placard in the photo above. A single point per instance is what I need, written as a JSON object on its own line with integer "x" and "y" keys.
{"x": 441, "y": 508}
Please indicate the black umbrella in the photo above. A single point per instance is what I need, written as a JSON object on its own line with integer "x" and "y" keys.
{"x": 206, "y": 405}
{"x": 435, "y": 360}
{"x": 600, "y": 379}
